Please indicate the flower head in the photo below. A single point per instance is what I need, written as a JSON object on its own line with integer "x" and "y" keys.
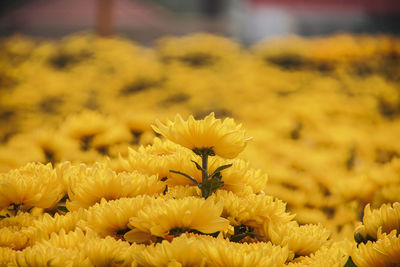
{"x": 216, "y": 137}
{"x": 174, "y": 216}
{"x": 387, "y": 217}
{"x": 89, "y": 185}
{"x": 220, "y": 252}
{"x": 34, "y": 185}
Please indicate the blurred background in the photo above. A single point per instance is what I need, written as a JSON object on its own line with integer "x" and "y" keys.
{"x": 245, "y": 20}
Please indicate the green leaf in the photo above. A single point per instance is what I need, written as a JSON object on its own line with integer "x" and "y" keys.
{"x": 350, "y": 263}
{"x": 63, "y": 208}
{"x": 187, "y": 176}
{"x": 198, "y": 166}
{"x": 219, "y": 169}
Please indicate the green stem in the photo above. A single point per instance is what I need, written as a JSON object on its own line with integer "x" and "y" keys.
{"x": 204, "y": 171}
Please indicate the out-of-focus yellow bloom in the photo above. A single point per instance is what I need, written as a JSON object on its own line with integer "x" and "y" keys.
{"x": 302, "y": 240}
{"x": 174, "y": 216}
{"x": 34, "y": 185}
{"x": 387, "y": 217}
{"x": 199, "y": 50}
{"x": 88, "y": 185}
{"x": 222, "y": 253}
{"x": 181, "y": 251}
{"x": 224, "y": 138}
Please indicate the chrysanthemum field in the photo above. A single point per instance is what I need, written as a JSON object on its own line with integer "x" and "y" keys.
{"x": 200, "y": 152}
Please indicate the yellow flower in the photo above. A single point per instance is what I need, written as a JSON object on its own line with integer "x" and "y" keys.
{"x": 14, "y": 230}
{"x": 335, "y": 255}
{"x": 199, "y": 50}
{"x": 41, "y": 255}
{"x": 89, "y": 185}
{"x": 222, "y": 253}
{"x": 158, "y": 159}
{"x": 112, "y": 217}
{"x": 384, "y": 252}
{"x": 7, "y": 256}
{"x": 44, "y": 226}
{"x": 12, "y": 237}
{"x": 181, "y": 251}
{"x": 222, "y": 138}
{"x": 174, "y": 216}
{"x": 386, "y": 217}
{"x": 252, "y": 210}
{"x": 34, "y": 185}
{"x": 302, "y": 240}
{"x": 109, "y": 252}
{"x": 101, "y": 252}
{"x": 240, "y": 176}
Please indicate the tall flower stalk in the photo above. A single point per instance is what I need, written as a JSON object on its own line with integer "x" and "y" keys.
{"x": 210, "y": 182}
{"x": 206, "y": 137}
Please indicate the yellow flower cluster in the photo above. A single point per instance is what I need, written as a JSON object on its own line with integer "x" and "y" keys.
{"x": 324, "y": 113}
{"x": 103, "y": 217}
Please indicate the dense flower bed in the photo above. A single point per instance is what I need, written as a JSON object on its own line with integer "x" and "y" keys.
{"x": 323, "y": 114}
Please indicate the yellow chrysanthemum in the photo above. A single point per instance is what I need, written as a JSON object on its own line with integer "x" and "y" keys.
{"x": 44, "y": 226}
{"x": 199, "y": 50}
{"x": 387, "y": 194}
{"x": 240, "y": 176}
{"x": 384, "y": 252}
{"x": 112, "y": 217}
{"x": 12, "y": 237}
{"x": 335, "y": 255}
{"x": 40, "y": 255}
{"x": 158, "y": 159}
{"x": 181, "y": 251}
{"x": 110, "y": 252}
{"x": 302, "y": 240}
{"x": 101, "y": 252}
{"x": 7, "y": 256}
{"x": 14, "y": 231}
{"x": 68, "y": 239}
{"x": 163, "y": 218}
{"x": 34, "y": 185}
{"x": 20, "y": 220}
{"x": 222, "y": 253}
{"x": 223, "y": 138}
{"x": 386, "y": 217}
{"x": 252, "y": 210}
{"x": 88, "y": 186}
